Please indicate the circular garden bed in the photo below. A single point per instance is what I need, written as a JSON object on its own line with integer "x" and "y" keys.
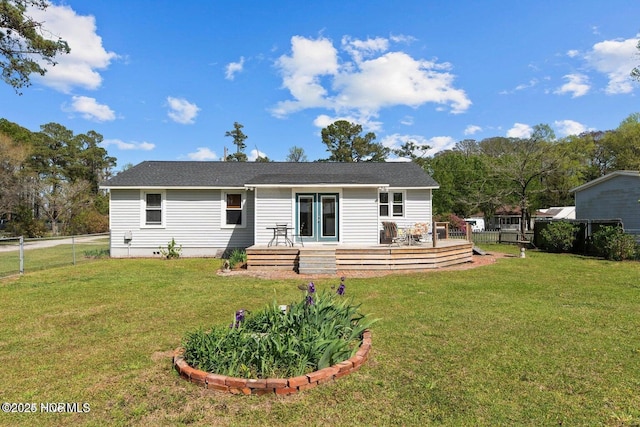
{"x": 280, "y": 386}
{"x": 281, "y": 349}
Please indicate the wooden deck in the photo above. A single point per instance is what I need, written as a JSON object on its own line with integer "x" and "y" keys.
{"x": 329, "y": 259}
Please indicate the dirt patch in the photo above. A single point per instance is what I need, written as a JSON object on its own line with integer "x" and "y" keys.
{"x": 478, "y": 261}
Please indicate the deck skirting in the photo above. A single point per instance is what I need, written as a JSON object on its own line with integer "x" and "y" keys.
{"x": 308, "y": 261}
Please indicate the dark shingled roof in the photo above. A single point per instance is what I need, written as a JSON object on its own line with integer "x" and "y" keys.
{"x": 239, "y": 174}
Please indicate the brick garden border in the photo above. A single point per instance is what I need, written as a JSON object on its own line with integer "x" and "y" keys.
{"x": 280, "y": 386}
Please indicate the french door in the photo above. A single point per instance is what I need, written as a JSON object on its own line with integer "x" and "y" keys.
{"x": 317, "y": 217}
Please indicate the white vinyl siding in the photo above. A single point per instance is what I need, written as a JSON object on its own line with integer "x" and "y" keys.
{"x": 191, "y": 217}
{"x": 359, "y": 216}
{"x": 274, "y": 206}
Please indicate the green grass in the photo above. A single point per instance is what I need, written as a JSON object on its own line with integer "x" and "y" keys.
{"x": 546, "y": 340}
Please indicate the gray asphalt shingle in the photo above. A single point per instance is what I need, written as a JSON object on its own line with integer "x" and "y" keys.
{"x": 238, "y": 174}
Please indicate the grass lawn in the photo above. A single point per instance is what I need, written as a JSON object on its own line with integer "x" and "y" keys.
{"x": 545, "y": 340}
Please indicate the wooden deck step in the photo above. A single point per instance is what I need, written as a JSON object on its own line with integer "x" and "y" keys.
{"x": 317, "y": 261}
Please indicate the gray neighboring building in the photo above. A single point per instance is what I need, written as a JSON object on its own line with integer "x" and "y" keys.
{"x": 613, "y": 196}
{"x": 210, "y": 207}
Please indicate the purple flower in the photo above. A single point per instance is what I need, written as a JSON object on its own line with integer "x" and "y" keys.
{"x": 340, "y": 290}
{"x": 312, "y": 288}
{"x": 309, "y": 300}
{"x": 239, "y": 319}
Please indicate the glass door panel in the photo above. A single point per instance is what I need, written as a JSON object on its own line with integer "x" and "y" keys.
{"x": 306, "y": 216}
{"x": 328, "y": 216}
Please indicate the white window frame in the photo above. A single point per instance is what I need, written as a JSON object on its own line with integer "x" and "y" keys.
{"x": 390, "y": 203}
{"x": 224, "y": 208}
{"x": 144, "y": 208}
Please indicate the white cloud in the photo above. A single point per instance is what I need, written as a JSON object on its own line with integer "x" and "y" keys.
{"x": 91, "y": 110}
{"x": 401, "y": 38}
{"x": 577, "y": 85}
{"x": 80, "y": 67}
{"x": 368, "y": 123}
{"x": 254, "y": 154}
{"x": 182, "y": 111}
{"x": 573, "y": 53}
{"x": 301, "y": 73}
{"x": 531, "y": 83}
{"x": 407, "y": 121}
{"x": 569, "y": 127}
{"x": 203, "y": 153}
{"x": 233, "y": 68}
{"x": 615, "y": 59}
{"x": 126, "y": 146}
{"x": 520, "y": 130}
{"x": 397, "y": 79}
{"x": 317, "y": 78}
{"x": 436, "y": 144}
{"x": 472, "y": 129}
{"x": 360, "y": 49}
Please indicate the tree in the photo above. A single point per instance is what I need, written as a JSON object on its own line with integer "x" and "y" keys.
{"x": 344, "y": 142}
{"x": 411, "y": 150}
{"x": 238, "y": 139}
{"x": 296, "y": 154}
{"x": 90, "y": 161}
{"x": 23, "y": 41}
{"x": 624, "y": 144}
{"x": 464, "y": 184}
{"x": 520, "y": 167}
{"x": 11, "y": 174}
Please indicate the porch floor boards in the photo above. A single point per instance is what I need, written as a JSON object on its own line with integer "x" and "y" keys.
{"x": 328, "y": 259}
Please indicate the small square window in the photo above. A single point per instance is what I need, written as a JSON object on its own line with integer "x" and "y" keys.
{"x": 154, "y": 200}
{"x": 234, "y": 217}
{"x": 234, "y": 201}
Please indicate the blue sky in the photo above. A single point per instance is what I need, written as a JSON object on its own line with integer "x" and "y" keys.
{"x": 164, "y": 80}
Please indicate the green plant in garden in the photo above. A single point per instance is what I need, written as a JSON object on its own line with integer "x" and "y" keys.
{"x": 172, "y": 250}
{"x": 614, "y": 244}
{"x": 558, "y": 236}
{"x": 318, "y": 331}
{"x": 237, "y": 257}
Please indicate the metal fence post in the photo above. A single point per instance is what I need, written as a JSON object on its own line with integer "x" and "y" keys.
{"x": 21, "y": 254}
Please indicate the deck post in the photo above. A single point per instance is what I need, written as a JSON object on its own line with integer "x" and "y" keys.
{"x": 434, "y": 234}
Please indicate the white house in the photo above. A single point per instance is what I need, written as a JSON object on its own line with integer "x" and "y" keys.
{"x": 211, "y": 207}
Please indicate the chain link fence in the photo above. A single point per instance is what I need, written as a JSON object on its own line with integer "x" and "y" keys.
{"x": 19, "y": 255}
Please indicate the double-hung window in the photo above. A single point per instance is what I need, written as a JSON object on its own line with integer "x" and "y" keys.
{"x": 233, "y": 206}
{"x": 152, "y": 209}
{"x": 391, "y": 204}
